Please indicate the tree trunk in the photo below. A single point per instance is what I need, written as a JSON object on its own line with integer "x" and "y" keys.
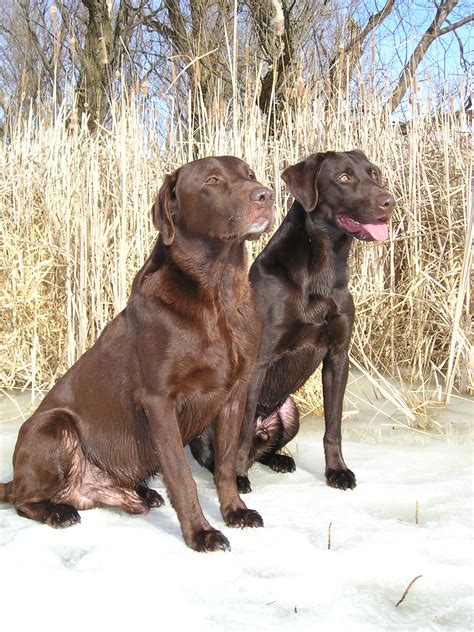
{"x": 94, "y": 80}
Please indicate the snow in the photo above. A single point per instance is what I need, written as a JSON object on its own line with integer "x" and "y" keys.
{"x": 117, "y": 572}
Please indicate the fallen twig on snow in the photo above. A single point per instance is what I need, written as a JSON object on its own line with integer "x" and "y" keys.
{"x": 407, "y": 589}
{"x": 329, "y": 535}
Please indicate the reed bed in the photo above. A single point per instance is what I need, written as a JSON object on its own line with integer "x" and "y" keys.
{"x": 76, "y": 226}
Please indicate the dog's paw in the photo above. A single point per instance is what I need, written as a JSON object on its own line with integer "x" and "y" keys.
{"x": 150, "y": 496}
{"x": 282, "y": 463}
{"x": 62, "y": 516}
{"x": 243, "y": 518}
{"x": 243, "y": 485}
{"x": 209, "y": 540}
{"x": 341, "y": 478}
{"x": 155, "y": 500}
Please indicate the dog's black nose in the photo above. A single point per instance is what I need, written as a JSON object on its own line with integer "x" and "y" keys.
{"x": 385, "y": 202}
{"x": 265, "y": 196}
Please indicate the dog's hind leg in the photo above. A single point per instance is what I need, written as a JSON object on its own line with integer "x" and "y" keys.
{"x": 286, "y": 420}
{"x": 150, "y": 496}
{"x": 42, "y": 461}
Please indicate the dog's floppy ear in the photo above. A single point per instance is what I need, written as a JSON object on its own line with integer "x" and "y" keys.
{"x": 161, "y": 209}
{"x": 357, "y": 154}
{"x": 302, "y": 180}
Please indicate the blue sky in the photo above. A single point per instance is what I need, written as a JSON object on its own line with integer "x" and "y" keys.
{"x": 442, "y": 66}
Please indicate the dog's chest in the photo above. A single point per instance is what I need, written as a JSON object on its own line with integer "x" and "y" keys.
{"x": 207, "y": 374}
{"x": 318, "y": 318}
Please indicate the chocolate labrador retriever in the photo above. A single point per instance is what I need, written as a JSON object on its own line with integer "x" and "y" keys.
{"x": 300, "y": 282}
{"x": 178, "y": 357}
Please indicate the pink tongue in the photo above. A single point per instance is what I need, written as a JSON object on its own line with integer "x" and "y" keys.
{"x": 378, "y": 231}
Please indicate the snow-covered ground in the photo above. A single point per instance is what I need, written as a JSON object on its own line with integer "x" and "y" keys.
{"x": 120, "y": 572}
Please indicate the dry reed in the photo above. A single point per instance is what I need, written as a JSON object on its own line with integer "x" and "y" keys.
{"x": 75, "y": 220}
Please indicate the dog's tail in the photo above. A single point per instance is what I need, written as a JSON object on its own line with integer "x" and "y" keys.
{"x": 5, "y": 491}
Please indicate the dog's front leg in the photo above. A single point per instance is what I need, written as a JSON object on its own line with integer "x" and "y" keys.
{"x": 227, "y": 428}
{"x": 198, "y": 533}
{"x": 248, "y": 429}
{"x": 335, "y": 373}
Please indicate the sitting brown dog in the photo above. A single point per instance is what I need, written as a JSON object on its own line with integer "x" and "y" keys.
{"x": 301, "y": 286}
{"x": 176, "y": 359}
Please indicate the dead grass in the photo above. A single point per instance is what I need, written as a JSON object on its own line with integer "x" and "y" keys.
{"x": 75, "y": 223}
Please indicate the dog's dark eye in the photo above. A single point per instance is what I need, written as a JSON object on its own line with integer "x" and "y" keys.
{"x": 212, "y": 180}
{"x": 374, "y": 175}
{"x": 252, "y": 176}
{"x": 344, "y": 178}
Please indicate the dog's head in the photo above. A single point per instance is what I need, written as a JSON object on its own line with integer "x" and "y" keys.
{"x": 213, "y": 198}
{"x": 345, "y": 188}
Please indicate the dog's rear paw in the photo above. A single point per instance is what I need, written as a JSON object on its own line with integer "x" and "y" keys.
{"x": 150, "y": 496}
{"x": 243, "y": 485}
{"x": 281, "y": 463}
{"x": 209, "y": 540}
{"x": 243, "y": 518}
{"x": 62, "y": 516}
{"x": 341, "y": 478}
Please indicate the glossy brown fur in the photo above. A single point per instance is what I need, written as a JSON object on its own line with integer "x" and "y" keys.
{"x": 177, "y": 358}
{"x": 300, "y": 282}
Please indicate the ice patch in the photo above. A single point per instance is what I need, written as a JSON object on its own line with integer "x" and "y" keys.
{"x": 125, "y": 572}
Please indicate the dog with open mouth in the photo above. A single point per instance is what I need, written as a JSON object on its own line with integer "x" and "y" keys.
{"x": 300, "y": 283}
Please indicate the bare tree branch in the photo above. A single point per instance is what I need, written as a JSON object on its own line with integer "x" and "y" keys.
{"x": 433, "y": 32}
{"x": 340, "y": 67}
{"x": 456, "y": 25}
